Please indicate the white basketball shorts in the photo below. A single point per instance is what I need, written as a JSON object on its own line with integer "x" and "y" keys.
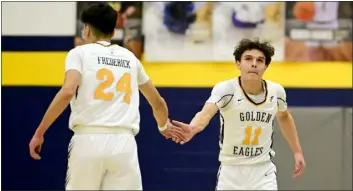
{"x": 103, "y": 159}
{"x": 247, "y": 177}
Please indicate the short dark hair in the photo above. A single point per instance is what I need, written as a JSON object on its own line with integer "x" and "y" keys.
{"x": 246, "y": 44}
{"x": 101, "y": 16}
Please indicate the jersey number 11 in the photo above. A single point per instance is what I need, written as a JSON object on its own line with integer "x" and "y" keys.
{"x": 123, "y": 85}
{"x": 248, "y": 135}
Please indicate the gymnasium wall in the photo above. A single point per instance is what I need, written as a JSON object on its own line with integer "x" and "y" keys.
{"x": 33, "y": 53}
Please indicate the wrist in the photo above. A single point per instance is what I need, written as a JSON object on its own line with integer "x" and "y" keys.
{"x": 39, "y": 132}
{"x": 164, "y": 127}
{"x": 298, "y": 152}
{"x": 196, "y": 129}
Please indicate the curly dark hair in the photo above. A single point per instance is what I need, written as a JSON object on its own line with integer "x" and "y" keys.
{"x": 101, "y": 16}
{"x": 246, "y": 44}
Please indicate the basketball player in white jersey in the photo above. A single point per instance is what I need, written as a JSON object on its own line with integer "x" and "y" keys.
{"x": 248, "y": 106}
{"x": 102, "y": 84}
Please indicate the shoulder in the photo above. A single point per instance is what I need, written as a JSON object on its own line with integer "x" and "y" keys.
{"x": 226, "y": 87}
{"x": 76, "y": 51}
{"x": 75, "y": 54}
{"x": 127, "y": 54}
{"x": 124, "y": 51}
{"x": 84, "y": 47}
{"x": 276, "y": 87}
{"x": 222, "y": 93}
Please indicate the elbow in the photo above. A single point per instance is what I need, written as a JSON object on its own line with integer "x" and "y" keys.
{"x": 285, "y": 119}
{"x": 283, "y": 116}
{"x": 68, "y": 93}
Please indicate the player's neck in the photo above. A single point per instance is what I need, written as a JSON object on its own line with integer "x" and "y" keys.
{"x": 101, "y": 39}
{"x": 253, "y": 87}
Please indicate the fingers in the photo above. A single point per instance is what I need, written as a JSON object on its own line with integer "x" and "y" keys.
{"x": 181, "y": 137}
{"x": 178, "y": 123}
{"x": 179, "y": 140}
{"x": 174, "y": 134}
{"x": 297, "y": 174}
{"x": 33, "y": 153}
{"x": 38, "y": 149}
{"x": 177, "y": 132}
{"x": 175, "y": 129}
{"x": 176, "y": 140}
{"x": 299, "y": 169}
{"x": 183, "y": 126}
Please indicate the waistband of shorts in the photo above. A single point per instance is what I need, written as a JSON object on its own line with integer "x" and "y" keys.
{"x": 101, "y": 130}
{"x": 245, "y": 163}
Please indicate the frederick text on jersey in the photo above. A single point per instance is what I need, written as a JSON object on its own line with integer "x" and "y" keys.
{"x": 114, "y": 62}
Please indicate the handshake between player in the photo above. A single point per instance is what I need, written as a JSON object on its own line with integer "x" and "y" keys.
{"x": 102, "y": 85}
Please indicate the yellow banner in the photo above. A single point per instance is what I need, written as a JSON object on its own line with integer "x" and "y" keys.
{"x": 47, "y": 69}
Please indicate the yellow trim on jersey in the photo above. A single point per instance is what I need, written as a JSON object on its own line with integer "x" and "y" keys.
{"x": 47, "y": 69}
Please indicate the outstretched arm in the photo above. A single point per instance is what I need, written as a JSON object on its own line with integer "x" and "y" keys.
{"x": 219, "y": 98}
{"x": 160, "y": 111}
{"x": 203, "y": 118}
{"x": 159, "y": 106}
{"x": 198, "y": 123}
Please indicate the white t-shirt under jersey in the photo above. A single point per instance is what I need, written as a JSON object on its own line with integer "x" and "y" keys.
{"x": 246, "y": 134}
{"x": 108, "y": 94}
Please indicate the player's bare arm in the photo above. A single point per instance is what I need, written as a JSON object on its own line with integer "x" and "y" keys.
{"x": 219, "y": 98}
{"x": 57, "y": 106}
{"x": 198, "y": 123}
{"x": 160, "y": 111}
{"x": 289, "y": 130}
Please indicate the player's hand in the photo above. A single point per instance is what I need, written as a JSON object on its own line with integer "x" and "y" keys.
{"x": 299, "y": 165}
{"x": 187, "y": 130}
{"x": 35, "y": 146}
{"x": 172, "y": 132}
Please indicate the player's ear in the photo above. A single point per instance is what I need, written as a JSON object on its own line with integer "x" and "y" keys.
{"x": 238, "y": 64}
{"x": 88, "y": 31}
{"x": 85, "y": 31}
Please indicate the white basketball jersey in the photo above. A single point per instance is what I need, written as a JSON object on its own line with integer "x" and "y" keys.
{"x": 108, "y": 94}
{"x": 246, "y": 135}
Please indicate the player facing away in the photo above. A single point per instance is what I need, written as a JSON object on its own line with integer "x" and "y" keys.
{"x": 248, "y": 106}
{"x": 102, "y": 84}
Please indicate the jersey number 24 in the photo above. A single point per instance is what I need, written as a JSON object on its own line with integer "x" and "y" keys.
{"x": 123, "y": 85}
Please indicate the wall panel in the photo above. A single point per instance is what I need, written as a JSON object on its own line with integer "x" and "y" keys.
{"x": 164, "y": 165}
